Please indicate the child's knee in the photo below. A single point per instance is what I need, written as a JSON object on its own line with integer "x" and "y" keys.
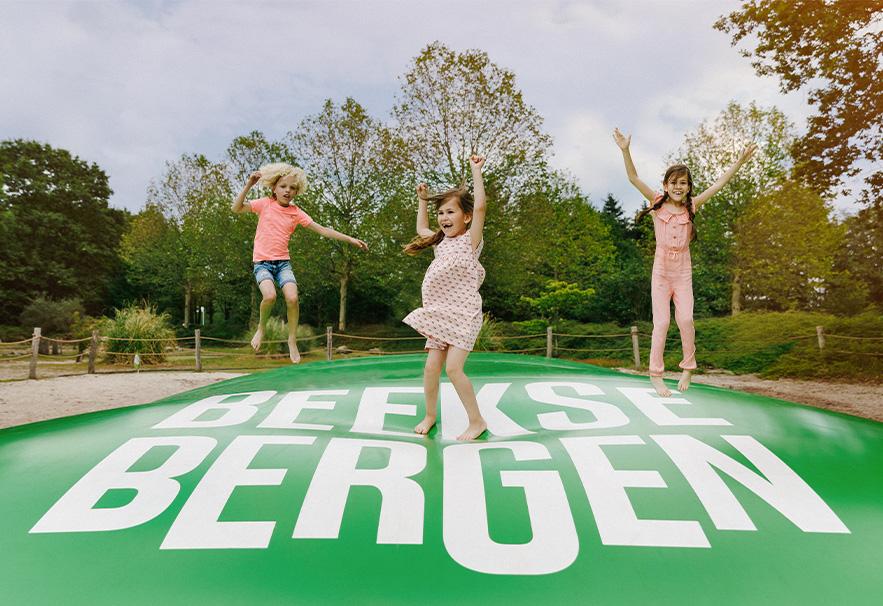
{"x": 269, "y": 297}
{"x": 454, "y": 371}
{"x": 662, "y": 324}
{"x": 433, "y": 367}
{"x": 291, "y": 299}
{"x": 684, "y": 321}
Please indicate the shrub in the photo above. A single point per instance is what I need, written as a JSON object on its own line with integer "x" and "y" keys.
{"x": 55, "y": 318}
{"x": 137, "y": 330}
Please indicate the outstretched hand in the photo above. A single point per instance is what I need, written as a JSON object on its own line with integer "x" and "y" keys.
{"x": 423, "y": 191}
{"x": 359, "y": 244}
{"x": 747, "y": 153}
{"x": 476, "y": 161}
{"x": 254, "y": 178}
{"x": 621, "y": 140}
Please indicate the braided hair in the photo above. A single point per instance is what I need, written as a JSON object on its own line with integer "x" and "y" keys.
{"x": 677, "y": 170}
{"x": 466, "y": 202}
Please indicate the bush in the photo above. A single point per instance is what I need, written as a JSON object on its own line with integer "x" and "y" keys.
{"x": 487, "y": 339}
{"x": 132, "y": 324}
{"x": 55, "y": 318}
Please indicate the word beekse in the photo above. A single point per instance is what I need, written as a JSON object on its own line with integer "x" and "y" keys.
{"x": 553, "y": 545}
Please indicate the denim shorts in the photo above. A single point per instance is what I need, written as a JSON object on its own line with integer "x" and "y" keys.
{"x": 278, "y": 271}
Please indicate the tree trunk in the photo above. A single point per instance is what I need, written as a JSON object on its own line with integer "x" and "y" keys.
{"x": 188, "y": 293}
{"x": 736, "y": 300}
{"x": 341, "y": 321}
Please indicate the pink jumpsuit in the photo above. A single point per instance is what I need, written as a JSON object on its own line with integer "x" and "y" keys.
{"x": 672, "y": 280}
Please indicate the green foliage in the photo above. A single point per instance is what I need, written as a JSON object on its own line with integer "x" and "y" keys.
{"x": 709, "y": 151}
{"x": 785, "y": 344}
{"x": 861, "y": 257}
{"x": 784, "y": 249}
{"x": 561, "y": 299}
{"x": 53, "y": 206}
{"x": 833, "y": 49}
{"x": 452, "y": 105}
{"x": 14, "y": 333}
{"x": 488, "y": 336}
{"x": 353, "y": 166}
{"x": 138, "y": 330}
{"x": 55, "y": 318}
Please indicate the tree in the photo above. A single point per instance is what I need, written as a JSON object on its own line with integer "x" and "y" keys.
{"x": 349, "y": 158}
{"x": 59, "y": 236}
{"x": 833, "y": 48}
{"x": 623, "y": 293}
{"x": 709, "y": 151}
{"x": 860, "y": 262}
{"x": 549, "y": 232}
{"x": 213, "y": 250}
{"x": 561, "y": 299}
{"x": 785, "y": 244}
{"x": 154, "y": 268}
{"x": 453, "y": 105}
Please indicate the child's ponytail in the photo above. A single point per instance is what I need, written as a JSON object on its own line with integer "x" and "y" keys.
{"x": 419, "y": 243}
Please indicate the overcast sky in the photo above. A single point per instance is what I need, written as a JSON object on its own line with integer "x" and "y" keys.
{"x": 131, "y": 85}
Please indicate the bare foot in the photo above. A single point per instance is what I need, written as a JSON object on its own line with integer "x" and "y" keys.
{"x": 256, "y": 339}
{"x": 425, "y": 425}
{"x": 473, "y": 431}
{"x": 660, "y": 387}
{"x": 293, "y": 353}
{"x": 684, "y": 383}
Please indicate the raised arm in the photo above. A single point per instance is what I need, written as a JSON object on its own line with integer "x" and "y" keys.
{"x": 327, "y": 232}
{"x": 724, "y": 178}
{"x": 423, "y": 229}
{"x": 476, "y": 228}
{"x": 239, "y": 204}
{"x": 623, "y": 142}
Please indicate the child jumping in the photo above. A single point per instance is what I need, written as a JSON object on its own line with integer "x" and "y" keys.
{"x": 451, "y": 318}
{"x": 278, "y": 217}
{"x": 673, "y": 212}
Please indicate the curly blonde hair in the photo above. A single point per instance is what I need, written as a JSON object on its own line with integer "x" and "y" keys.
{"x": 271, "y": 173}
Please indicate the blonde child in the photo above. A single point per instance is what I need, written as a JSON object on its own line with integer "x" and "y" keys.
{"x": 278, "y": 217}
{"x": 672, "y": 278}
{"x": 451, "y": 317}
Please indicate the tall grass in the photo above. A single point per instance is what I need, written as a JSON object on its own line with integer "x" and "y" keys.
{"x": 129, "y": 326}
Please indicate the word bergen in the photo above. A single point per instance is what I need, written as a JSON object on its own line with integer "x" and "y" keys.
{"x": 553, "y": 545}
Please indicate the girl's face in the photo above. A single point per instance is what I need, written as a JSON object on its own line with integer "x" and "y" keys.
{"x": 451, "y": 218}
{"x": 677, "y": 187}
{"x": 285, "y": 190}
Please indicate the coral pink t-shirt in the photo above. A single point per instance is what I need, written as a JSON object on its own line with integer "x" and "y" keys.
{"x": 276, "y": 223}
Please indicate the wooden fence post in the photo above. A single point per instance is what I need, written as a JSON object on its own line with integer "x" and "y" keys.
{"x": 93, "y": 352}
{"x": 35, "y": 351}
{"x": 549, "y": 342}
{"x": 328, "y": 351}
{"x": 635, "y": 350}
{"x": 198, "y": 348}
{"x": 820, "y": 333}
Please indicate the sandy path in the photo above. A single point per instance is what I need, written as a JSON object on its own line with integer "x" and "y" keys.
{"x": 28, "y": 401}
{"x": 858, "y": 399}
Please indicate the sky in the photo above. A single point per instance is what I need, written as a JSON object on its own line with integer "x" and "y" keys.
{"x": 131, "y": 85}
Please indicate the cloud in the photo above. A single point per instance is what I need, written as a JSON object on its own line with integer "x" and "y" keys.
{"x": 131, "y": 86}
